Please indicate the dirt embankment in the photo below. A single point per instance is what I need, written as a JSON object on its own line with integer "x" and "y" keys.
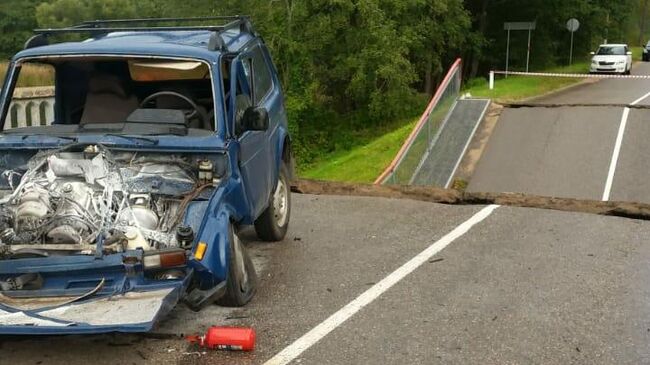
{"x": 455, "y": 197}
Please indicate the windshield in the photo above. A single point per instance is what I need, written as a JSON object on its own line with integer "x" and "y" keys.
{"x": 111, "y": 95}
{"x": 612, "y": 51}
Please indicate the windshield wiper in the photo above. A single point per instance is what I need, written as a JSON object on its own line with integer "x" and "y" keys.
{"x": 72, "y": 139}
{"x": 153, "y": 141}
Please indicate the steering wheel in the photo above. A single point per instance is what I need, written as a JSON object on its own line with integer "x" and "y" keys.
{"x": 195, "y": 108}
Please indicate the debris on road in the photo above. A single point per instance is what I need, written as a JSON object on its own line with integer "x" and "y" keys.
{"x": 226, "y": 338}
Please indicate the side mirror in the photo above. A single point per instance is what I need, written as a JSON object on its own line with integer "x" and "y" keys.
{"x": 592, "y": 53}
{"x": 629, "y": 53}
{"x": 256, "y": 119}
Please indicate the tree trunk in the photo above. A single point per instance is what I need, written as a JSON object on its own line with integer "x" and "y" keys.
{"x": 482, "y": 25}
{"x": 644, "y": 16}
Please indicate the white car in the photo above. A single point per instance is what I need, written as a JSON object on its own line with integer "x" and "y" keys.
{"x": 612, "y": 58}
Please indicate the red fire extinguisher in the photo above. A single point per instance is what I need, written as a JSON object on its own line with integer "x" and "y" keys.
{"x": 226, "y": 338}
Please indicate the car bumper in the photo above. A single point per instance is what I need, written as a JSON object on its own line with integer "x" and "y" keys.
{"x": 86, "y": 295}
{"x": 608, "y": 69}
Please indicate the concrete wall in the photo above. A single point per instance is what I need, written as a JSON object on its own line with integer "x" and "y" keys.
{"x": 31, "y": 106}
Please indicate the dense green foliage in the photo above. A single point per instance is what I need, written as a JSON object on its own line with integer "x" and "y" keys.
{"x": 352, "y": 68}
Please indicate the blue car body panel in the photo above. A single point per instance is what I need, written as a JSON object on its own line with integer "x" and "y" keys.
{"x": 253, "y": 159}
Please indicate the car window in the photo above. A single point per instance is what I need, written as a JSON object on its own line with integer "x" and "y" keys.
{"x": 262, "y": 82}
{"x": 32, "y": 102}
{"x": 248, "y": 70}
{"x": 612, "y": 51}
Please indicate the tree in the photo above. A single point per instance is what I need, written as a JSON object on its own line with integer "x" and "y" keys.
{"x": 16, "y": 23}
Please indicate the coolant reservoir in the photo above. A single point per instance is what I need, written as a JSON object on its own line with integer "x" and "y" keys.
{"x": 135, "y": 239}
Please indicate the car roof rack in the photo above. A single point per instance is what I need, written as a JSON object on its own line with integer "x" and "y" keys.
{"x": 99, "y": 27}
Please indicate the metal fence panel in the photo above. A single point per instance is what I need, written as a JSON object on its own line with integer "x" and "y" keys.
{"x": 426, "y": 132}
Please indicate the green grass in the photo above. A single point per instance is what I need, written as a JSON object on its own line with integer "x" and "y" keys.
{"x": 31, "y": 75}
{"x": 516, "y": 88}
{"x": 362, "y": 164}
{"x": 637, "y": 53}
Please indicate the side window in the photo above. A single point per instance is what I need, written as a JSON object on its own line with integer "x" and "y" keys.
{"x": 248, "y": 70}
{"x": 32, "y": 101}
{"x": 262, "y": 82}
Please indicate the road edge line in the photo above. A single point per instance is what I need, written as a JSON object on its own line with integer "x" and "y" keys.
{"x": 317, "y": 333}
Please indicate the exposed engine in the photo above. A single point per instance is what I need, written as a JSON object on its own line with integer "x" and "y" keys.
{"x": 73, "y": 200}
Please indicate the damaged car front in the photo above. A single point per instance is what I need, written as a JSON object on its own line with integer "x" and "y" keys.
{"x": 99, "y": 240}
{"x": 123, "y": 202}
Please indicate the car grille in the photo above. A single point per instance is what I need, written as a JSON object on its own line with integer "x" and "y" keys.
{"x": 603, "y": 63}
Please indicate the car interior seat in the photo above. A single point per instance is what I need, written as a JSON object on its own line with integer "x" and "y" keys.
{"x": 107, "y": 100}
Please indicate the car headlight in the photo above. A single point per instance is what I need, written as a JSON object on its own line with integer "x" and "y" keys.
{"x": 594, "y": 62}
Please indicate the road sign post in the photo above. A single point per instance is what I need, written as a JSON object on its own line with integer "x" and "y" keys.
{"x": 572, "y": 25}
{"x": 529, "y": 26}
{"x": 507, "y": 53}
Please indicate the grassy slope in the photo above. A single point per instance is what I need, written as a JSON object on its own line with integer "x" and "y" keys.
{"x": 521, "y": 87}
{"x": 362, "y": 164}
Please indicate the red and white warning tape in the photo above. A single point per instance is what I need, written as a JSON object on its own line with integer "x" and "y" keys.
{"x": 594, "y": 76}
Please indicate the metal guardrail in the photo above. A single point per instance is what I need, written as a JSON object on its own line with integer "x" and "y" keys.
{"x": 31, "y": 106}
{"x": 403, "y": 168}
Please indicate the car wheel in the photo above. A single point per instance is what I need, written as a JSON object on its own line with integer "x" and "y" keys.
{"x": 272, "y": 225}
{"x": 242, "y": 278}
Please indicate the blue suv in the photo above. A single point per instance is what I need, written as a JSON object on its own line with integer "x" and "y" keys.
{"x": 126, "y": 179}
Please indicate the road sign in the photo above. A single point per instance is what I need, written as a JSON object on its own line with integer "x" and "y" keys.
{"x": 529, "y": 26}
{"x": 520, "y": 26}
{"x": 573, "y": 25}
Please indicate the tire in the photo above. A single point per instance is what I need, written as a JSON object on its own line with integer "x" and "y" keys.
{"x": 241, "y": 283}
{"x": 272, "y": 225}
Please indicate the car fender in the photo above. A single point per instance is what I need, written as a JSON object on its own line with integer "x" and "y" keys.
{"x": 226, "y": 206}
{"x": 283, "y": 142}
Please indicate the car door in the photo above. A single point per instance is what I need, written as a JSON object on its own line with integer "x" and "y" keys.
{"x": 255, "y": 160}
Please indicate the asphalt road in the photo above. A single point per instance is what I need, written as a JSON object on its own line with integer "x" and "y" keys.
{"x": 522, "y": 286}
{"x": 568, "y": 151}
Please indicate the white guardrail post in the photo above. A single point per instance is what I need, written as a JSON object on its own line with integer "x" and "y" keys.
{"x": 491, "y": 80}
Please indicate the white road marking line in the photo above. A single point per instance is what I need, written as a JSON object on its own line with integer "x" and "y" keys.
{"x": 617, "y": 151}
{"x": 617, "y": 148}
{"x": 294, "y": 350}
{"x": 635, "y": 102}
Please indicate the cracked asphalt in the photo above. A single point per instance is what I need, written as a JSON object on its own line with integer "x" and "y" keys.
{"x": 567, "y": 151}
